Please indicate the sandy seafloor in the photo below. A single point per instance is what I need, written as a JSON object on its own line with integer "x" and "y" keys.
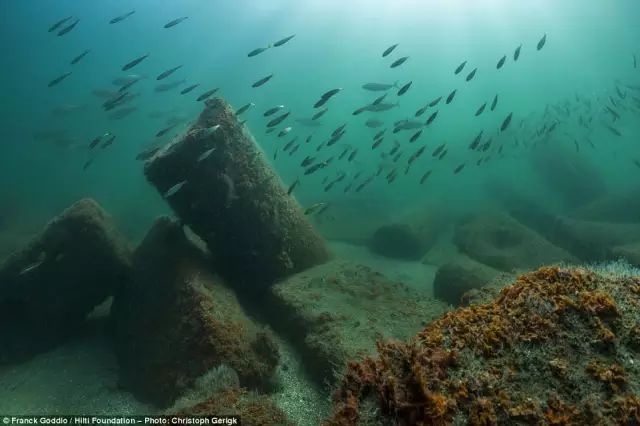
{"x": 81, "y": 377}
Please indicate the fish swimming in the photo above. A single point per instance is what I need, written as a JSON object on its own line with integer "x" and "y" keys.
{"x": 122, "y": 113}
{"x": 389, "y": 49}
{"x": 257, "y": 51}
{"x": 188, "y": 89}
{"x": 377, "y": 143}
{"x": 373, "y": 123}
{"x": 379, "y": 87}
{"x": 314, "y": 208}
{"x": 147, "y": 153}
{"x": 293, "y": 186}
{"x": 165, "y": 131}
{"x": 57, "y": 25}
{"x": 169, "y": 86}
{"x": 451, "y": 96}
{"x": 431, "y": 118}
{"x": 404, "y": 88}
{"x": 516, "y": 54}
{"x": 481, "y": 109}
{"x": 174, "y": 22}
{"x": 283, "y": 41}
{"x": 415, "y": 136}
{"x": 319, "y": 114}
{"x": 108, "y": 142}
{"x": 174, "y": 189}
{"x": 435, "y": 102}
{"x": 135, "y": 62}
{"x": 381, "y": 107}
{"x": 79, "y": 57}
{"x": 506, "y": 122}
{"x": 399, "y": 62}
{"x": 278, "y": 119}
{"x": 326, "y": 96}
{"x": 65, "y": 30}
{"x": 501, "y": 62}
{"x": 438, "y": 150}
{"x": 421, "y": 111}
{"x": 476, "y": 141}
{"x": 125, "y": 87}
{"x": 408, "y": 125}
{"x": 272, "y": 111}
{"x": 262, "y": 81}
{"x": 59, "y": 79}
{"x": 460, "y": 68}
{"x": 494, "y": 103}
{"x": 472, "y": 74}
{"x": 206, "y": 94}
{"x": 425, "y": 176}
{"x": 244, "y": 108}
{"x": 542, "y": 42}
{"x": 285, "y": 131}
{"x": 353, "y": 154}
{"x": 121, "y": 17}
{"x": 458, "y": 169}
{"x": 168, "y": 72}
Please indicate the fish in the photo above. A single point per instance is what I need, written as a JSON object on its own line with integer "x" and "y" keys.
{"x": 460, "y": 68}
{"x": 278, "y": 119}
{"x": 125, "y": 87}
{"x": 542, "y": 42}
{"x": 108, "y": 142}
{"x": 613, "y": 130}
{"x": 169, "y": 86}
{"x": 516, "y": 53}
{"x": 373, "y": 123}
{"x": 262, "y": 81}
{"x": 506, "y": 122}
{"x": 134, "y": 62}
{"x": 379, "y": 87}
{"x": 57, "y": 25}
{"x": 407, "y": 125}
{"x": 361, "y": 110}
{"x": 293, "y": 150}
{"x": 283, "y": 41}
{"x": 206, "y": 154}
{"x": 476, "y": 141}
{"x": 451, "y": 96}
{"x": 389, "y": 49}
{"x": 377, "y": 143}
{"x": 97, "y": 140}
{"x": 379, "y": 99}
{"x": 244, "y": 108}
{"x": 379, "y": 134}
{"x": 435, "y": 102}
{"x": 415, "y": 136}
{"x": 353, "y": 154}
{"x": 481, "y": 109}
{"x": 293, "y": 186}
{"x": 399, "y": 62}
{"x": 381, "y": 107}
{"x": 174, "y": 189}
{"x": 314, "y": 208}
{"x": 206, "y": 94}
{"x": 275, "y": 154}
{"x": 175, "y": 22}
{"x": 284, "y": 131}
{"x": 79, "y": 57}
{"x": 168, "y": 72}
{"x": 425, "y": 176}
{"x": 404, "y": 88}
{"x": 121, "y": 81}
{"x": 637, "y": 163}
{"x": 319, "y": 114}
{"x": 308, "y": 160}
{"x": 309, "y": 138}
{"x": 458, "y": 169}
{"x": 256, "y": 52}
{"x": 472, "y": 74}
{"x": 165, "y": 131}
{"x": 501, "y": 62}
{"x": 147, "y": 153}
{"x": 421, "y": 111}
{"x": 35, "y": 265}
{"x": 121, "y": 17}
{"x": 438, "y": 150}
{"x": 494, "y": 103}
{"x": 59, "y": 79}
{"x": 289, "y": 144}
{"x": 88, "y": 163}
{"x": 188, "y": 89}
{"x": 635, "y": 62}
{"x": 326, "y": 96}
{"x": 122, "y": 113}
{"x": 431, "y": 118}
{"x": 272, "y": 111}
{"x": 68, "y": 28}
{"x": 416, "y": 154}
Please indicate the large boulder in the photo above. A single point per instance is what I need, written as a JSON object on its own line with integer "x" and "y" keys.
{"x": 337, "y": 311}
{"x": 176, "y": 320}
{"x": 616, "y": 208}
{"x": 503, "y": 243}
{"x": 48, "y": 287}
{"x": 397, "y": 241}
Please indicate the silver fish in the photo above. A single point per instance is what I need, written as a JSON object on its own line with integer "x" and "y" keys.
{"x": 174, "y": 189}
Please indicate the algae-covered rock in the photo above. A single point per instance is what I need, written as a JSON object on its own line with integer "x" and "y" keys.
{"x": 558, "y": 346}
{"x": 337, "y": 311}
{"x": 177, "y": 320}
{"x": 397, "y": 241}
{"x": 503, "y": 243}
{"x": 219, "y": 183}
{"x": 48, "y": 287}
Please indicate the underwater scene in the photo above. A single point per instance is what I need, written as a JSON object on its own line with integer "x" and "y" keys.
{"x": 320, "y": 212}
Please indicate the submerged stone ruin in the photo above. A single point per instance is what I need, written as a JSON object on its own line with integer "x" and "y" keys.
{"x": 233, "y": 200}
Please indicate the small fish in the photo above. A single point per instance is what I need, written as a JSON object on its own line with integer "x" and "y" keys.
{"x": 278, "y": 119}
{"x": 494, "y": 103}
{"x": 404, "y": 88}
{"x": 174, "y": 189}
{"x": 635, "y": 62}
{"x": 65, "y": 30}
{"x": 275, "y": 154}
{"x": 637, "y": 163}
{"x": 108, "y": 142}
{"x": 415, "y": 136}
{"x": 431, "y": 118}
{"x": 476, "y": 141}
{"x": 147, "y": 153}
{"x": 272, "y": 111}
{"x": 353, "y": 154}
{"x": 309, "y": 138}
{"x": 121, "y": 17}
{"x": 284, "y": 131}
{"x": 389, "y": 49}
{"x": 206, "y": 94}
{"x": 379, "y": 87}
{"x": 360, "y": 110}
{"x": 326, "y": 96}
{"x": 135, "y": 62}
{"x": 458, "y": 169}
{"x": 379, "y": 134}
{"x": 501, "y": 62}
{"x": 244, "y": 108}
{"x": 125, "y": 87}
{"x": 613, "y": 130}
{"x": 373, "y": 123}
{"x": 516, "y": 54}
{"x": 314, "y": 208}
{"x": 481, "y": 109}
{"x": 293, "y": 186}
{"x": 399, "y": 62}
{"x": 379, "y": 99}
{"x": 283, "y": 41}
{"x": 165, "y": 131}
{"x": 451, "y": 96}
{"x": 308, "y": 160}
{"x": 435, "y": 102}
{"x": 262, "y": 81}
{"x": 319, "y": 114}
{"x": 542, "y": 42}
{"x": 257, "y": 51}
{"x": 59, "y": 79}
{"x": 79, "y": 57}
{"x": 506, "y": 122}
{"x": 188, "y": 89}
{"x": 381, "y": 107}
{"x": 377, "y": 143}
{"x": 425, "y": 176}
{"x": 174, "y": 22}
{"x": 460, "y": 68}
{"x": 205, "y": 155}
{"x": 472, "y": 74}
{"x": 421, "y": 111}
{"x": 168, "y": 72}
{"x": 35, "y": 265}
{"x": 57, "y": 25}
{"x": 438, "y": 150}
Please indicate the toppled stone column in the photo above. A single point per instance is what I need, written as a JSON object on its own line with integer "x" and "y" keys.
{"x": 218, "y": 182}
{"x": 48, "y": 287}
